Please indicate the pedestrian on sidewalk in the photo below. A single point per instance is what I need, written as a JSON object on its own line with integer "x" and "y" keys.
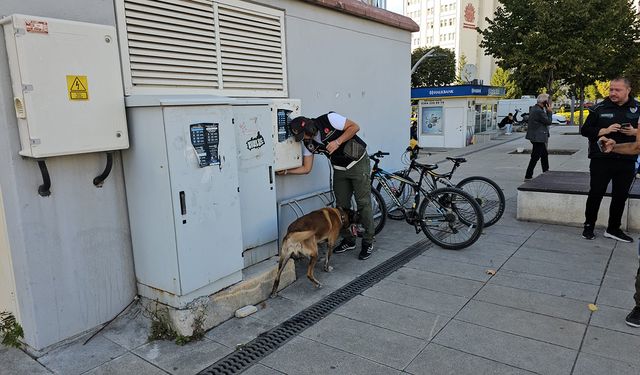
{"x": 610, "y": 146}
{"x": 616, "y": 117}
{"x": 538, "y": 133}
{"x": 335, "y": 136}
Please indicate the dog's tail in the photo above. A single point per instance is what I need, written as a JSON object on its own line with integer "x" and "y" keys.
{"x": 292, "y": 244}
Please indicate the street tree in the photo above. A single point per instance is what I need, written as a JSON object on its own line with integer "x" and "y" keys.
{"x": 598, "y": 41}
{"x": 602, "y": 41}
{"x": 436, "y": 70}
{"x": 502, "y": 78}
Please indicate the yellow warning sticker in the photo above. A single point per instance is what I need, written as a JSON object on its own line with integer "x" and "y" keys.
{"x": 78, "y": 87}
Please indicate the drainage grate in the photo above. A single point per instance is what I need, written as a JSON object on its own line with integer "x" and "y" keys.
{"x": 267, "y": 342}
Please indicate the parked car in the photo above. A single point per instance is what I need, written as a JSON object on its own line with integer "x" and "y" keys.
{"x": 558, "y": 119}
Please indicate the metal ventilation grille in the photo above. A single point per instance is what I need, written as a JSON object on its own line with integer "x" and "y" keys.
{"x": 172, "y": 43}
{"x": 251, "y": 45}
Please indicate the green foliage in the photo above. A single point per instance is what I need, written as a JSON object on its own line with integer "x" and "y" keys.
{"x": 602, "y": 89}
{"x": 590, "y": 93}
{"x": 461, "y": 76}
{"x": 502, "y": 78}
{"x": 436, "y": 70}
{"x": 577, "y": 41}
{"x": 10, "y": 330}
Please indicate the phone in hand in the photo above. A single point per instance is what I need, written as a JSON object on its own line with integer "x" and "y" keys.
{"x": 600, "y": 144}
{"x": 625, "y": 125}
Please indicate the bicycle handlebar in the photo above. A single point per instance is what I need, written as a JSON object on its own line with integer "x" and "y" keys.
{"x": 378, "y": 154}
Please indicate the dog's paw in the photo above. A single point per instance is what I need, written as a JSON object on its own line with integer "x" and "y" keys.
{"x": 328, "y": 268}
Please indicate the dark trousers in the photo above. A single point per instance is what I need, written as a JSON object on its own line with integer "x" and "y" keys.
{"x": 539, "y": 152}
{"x": 620, "y": 173}
{"x": 637, "y": 295}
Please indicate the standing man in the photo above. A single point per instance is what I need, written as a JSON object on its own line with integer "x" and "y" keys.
{"x": 628, "y": 148}
{"x": 538, "y": 133}
{"x": 616, "y": 117}
{"x": 335, "y": 136}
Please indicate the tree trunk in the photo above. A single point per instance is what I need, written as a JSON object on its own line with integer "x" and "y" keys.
{"x": 581, "y": 97}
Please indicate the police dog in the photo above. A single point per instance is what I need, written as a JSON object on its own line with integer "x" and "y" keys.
{"x": 304, "y": 234}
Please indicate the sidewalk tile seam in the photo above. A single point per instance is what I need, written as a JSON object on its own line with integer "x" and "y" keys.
{"x": 354, "y": 354}
{"x": 536, "y": 292}
{"x": 551, "y": 277}
{"x": 546, "y": 294}
{"x": 429, "y": 289}
{"x": 486, "y": 358}
{"x": 444, "y": 318}
{"x": 518, "y": 335}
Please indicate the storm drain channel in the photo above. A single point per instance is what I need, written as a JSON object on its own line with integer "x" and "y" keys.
{"x": 267, "y": 342}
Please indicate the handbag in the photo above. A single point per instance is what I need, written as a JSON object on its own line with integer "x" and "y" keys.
{"x": 353, "y": 149}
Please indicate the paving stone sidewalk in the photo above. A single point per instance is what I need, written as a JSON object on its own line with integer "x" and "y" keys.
{"x": 441, "y": 313}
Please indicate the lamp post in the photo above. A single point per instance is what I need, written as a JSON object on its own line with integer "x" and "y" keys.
{"x": 428, "y": 54}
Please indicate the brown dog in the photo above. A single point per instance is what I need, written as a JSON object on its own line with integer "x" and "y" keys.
{"x": 304, "y": 234}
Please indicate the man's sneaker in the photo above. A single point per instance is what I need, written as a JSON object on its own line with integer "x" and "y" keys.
{"x": 367, "y": 250}
{"x": 618, "y": 235}
{"x": 345, "y": 245}
{"x": 633, "y": 319}
{"x": 588, "y": 232}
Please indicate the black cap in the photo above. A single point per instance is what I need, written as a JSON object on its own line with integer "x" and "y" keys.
{"x": 297, "y": 127}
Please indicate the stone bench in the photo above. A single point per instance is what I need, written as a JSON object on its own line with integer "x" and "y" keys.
{"x": 560, "y": 197}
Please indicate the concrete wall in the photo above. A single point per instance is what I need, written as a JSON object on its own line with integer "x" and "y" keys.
{"x": 73, "y": 249}
{"x": 352, "y": 66}
{"x": 71, "y": 252}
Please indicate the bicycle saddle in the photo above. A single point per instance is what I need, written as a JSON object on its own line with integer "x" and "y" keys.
{"x": 457, "y": 160}
{"x": 428, "y": 167}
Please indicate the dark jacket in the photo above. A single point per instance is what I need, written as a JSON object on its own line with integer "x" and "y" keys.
{"x": 539, "y": 121}
{"x": 504, "y": 122}
{"x": 604, "y": 114}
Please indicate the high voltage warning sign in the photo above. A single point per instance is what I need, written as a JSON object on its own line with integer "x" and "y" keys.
{"x": 78, "y": 87}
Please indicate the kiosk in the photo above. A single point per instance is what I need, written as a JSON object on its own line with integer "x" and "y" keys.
{"x": 455, "y": 116}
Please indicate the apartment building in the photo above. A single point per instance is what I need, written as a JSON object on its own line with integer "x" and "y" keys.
{"x": 452, "y": 24}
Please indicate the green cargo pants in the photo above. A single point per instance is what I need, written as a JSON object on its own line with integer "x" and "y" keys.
{"x": 356, "y": 181}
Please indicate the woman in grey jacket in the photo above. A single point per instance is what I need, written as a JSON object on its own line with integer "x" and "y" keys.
{"x": 538, "y": 134}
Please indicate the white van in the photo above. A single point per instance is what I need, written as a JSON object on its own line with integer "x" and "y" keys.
{"x": 515, "y": 106}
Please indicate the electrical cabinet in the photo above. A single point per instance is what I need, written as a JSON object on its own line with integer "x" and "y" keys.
{"x": 255, "y": 145}
{"x": 288, "y": 152}
{"x": 67, "y": 86}
{"x": 183, "y": 195}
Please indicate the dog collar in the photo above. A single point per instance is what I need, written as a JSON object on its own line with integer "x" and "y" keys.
{"x": 341, "y": 219}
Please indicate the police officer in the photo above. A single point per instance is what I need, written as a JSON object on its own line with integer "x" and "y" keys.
{"x": 615, "y": 118}
{"x": 335, "y": 136}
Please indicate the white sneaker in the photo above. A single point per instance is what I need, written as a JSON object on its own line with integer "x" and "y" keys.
{"x": 507, "y": 133}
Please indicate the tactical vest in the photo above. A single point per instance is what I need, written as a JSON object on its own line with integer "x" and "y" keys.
{"x": 329, "y": 134}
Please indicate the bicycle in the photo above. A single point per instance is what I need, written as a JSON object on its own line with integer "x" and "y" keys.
{"x": 485, "y": 191}
{"x": 444, "y": 215}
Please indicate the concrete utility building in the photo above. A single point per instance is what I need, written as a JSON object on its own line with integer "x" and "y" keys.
{"x": 139, "y": 141}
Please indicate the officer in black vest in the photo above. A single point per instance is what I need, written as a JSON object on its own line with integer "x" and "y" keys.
{"x": 616, "y": 118}
{"x": 335, "y": 136}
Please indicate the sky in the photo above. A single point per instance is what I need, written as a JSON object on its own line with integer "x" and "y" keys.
{"x": 395, "y": 5}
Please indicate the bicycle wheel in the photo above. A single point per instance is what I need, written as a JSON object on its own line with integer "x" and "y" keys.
{"x": 402, "y": 191}
{"x": 379, "y": 210}
{"x": 488, "y": 195}
{"x": 450, "y": 218}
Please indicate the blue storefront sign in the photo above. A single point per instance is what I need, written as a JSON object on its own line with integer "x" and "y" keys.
{"x": 453, "y": 91}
